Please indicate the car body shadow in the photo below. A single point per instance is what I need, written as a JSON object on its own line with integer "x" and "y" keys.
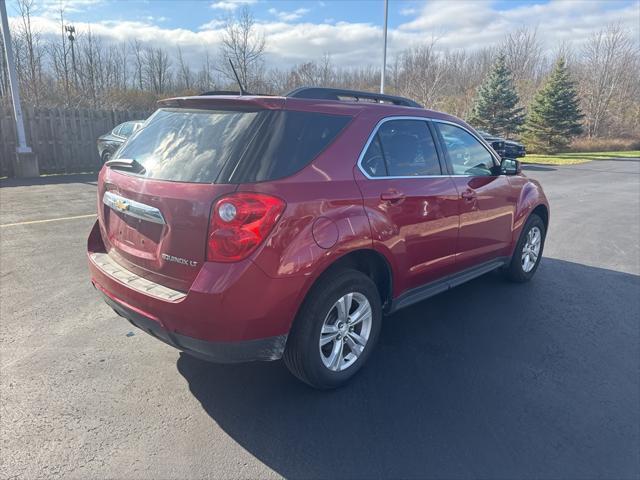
{"x": 490, "y": 379}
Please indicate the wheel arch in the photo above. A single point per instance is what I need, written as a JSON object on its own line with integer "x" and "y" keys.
{"x": 365, "y": 260}
{"x": 543, "y": 212}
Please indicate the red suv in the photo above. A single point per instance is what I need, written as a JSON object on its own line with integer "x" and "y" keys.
{"x": 241, "y": 228}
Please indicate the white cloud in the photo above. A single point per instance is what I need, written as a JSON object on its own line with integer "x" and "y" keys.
{"x": 469, "y": 24}
{"x": 455, "y": 25}
{"x": 289, "y": 16}
{"x": 212, "y": 24}
{"x": 231, "y": 5}
{"x": 408, "y": 11}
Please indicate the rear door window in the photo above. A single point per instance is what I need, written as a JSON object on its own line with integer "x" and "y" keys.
{"x": 402, "y": 148}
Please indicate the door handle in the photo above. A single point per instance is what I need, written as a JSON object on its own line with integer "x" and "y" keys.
{"x": 392, "y": 196}
{"x": 469, "y": 195}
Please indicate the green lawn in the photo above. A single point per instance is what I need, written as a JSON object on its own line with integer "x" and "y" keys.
{"x": 575, "y": 158}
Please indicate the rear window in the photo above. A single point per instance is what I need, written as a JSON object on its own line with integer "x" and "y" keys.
{"x": 188, "y": 145}
{"x": 227, "y": 146}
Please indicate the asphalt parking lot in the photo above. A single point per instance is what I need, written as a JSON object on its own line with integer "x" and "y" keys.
{"x": 490, "y": 380}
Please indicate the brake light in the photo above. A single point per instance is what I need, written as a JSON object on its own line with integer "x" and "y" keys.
{"x": 239, "y": 223}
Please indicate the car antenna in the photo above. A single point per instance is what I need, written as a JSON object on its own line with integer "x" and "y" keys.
{"x": 242, "y": 90}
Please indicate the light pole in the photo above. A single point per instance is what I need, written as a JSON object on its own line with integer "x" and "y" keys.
{"x": 26, "y": 162}
{"x": 384, "y": 48}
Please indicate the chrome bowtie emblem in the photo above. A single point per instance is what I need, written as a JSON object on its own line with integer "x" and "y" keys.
{"x": 121, "y": 205}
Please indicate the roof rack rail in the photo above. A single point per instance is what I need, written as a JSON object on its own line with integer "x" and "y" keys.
{"x": 220, "y": 92}
{"x": 320, "y": 93}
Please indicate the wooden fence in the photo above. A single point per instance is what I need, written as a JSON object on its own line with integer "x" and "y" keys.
{"x": 63, "y": 139}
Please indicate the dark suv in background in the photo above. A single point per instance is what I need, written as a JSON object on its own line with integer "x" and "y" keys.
{"x": 241, "y": 228}
{"x": 504, "y": 148}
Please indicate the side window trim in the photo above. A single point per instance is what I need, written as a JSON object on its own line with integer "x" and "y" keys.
{"x": 374, "y": 134}
{"x": 496, "y": 160}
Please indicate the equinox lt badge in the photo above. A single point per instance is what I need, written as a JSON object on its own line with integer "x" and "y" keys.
{"x": 182, "y": 261}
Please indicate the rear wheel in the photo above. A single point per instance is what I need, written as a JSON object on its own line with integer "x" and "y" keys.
{"x": 106, "y": 156}
{"x": 528, "y": 251}
{"x": 335, "y": 331}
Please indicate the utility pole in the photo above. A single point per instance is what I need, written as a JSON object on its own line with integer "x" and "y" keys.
{"x": 70, "y": 29}
{"x": 384, "y": 48}
{"x": 26, "y": 162}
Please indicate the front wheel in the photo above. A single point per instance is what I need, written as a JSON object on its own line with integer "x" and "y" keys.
{"x": 335, "y": 331}
{"x": 528, "y": 251}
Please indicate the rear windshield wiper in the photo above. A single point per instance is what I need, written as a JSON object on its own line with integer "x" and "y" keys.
{"x": 126, "y": 163}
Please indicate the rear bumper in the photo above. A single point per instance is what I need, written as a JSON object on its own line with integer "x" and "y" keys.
{"x": 231, "y": 313}
{"x": 220, "y": 352}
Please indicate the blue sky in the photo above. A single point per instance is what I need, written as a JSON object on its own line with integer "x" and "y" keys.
{"x": 349, "y": 30}
{"x": 191, "y": 14}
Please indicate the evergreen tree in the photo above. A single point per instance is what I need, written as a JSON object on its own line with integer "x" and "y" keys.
{"x": 496, "y": 107}
{"x": 554, "y": 116}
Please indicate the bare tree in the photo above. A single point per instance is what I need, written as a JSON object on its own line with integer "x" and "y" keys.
{"x": 184, "y": 75}
{"x": 205, "y": 75}
{"x": 29, "y": 52}
{"x": 157, "y": 68}
{"x": 423, "y": 74}
{"x": 108, "y": 74}
{"x": 244, "y": 46}
{"x": 138, "y": 60}
{"x": 605, "y": 74}
{"x": 523, "y": 55}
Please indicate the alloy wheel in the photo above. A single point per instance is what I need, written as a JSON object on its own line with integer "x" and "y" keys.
{"x": 345, "y": 331}
{"x": 531, "y": 249}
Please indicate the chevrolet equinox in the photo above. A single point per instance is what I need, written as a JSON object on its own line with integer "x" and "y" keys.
{"x": 239, "y": 227}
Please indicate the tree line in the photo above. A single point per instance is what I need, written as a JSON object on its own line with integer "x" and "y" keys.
{"x": 78, "y": 69}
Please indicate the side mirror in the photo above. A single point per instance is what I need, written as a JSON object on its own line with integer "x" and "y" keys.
{"x": 510, "y": 166}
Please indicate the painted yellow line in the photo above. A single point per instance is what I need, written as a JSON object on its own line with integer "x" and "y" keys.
{"x": 47, "y": 220}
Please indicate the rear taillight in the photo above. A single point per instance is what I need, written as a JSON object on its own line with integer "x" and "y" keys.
{"x": 239, "y": 223}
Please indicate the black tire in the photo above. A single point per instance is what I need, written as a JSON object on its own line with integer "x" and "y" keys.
{"x": 515, "y": 271}
{"x": 302, "y": 354}
{"x": 106, "y": 156}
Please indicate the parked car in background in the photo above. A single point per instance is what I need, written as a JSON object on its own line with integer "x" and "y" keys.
{"x": 286, "y": 227}
{"x": 504, "y": 148}
{"x": 110, "y": 142}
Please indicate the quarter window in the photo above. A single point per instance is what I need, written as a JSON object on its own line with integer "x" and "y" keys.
{"x": 402, "y": 148}
{"x": 466, "y": 154}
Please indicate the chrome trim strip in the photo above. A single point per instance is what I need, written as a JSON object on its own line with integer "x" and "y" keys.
{"x": 113, "y": 269}
{"x": 424, "y": 119}
{"x": 132, "y": 208}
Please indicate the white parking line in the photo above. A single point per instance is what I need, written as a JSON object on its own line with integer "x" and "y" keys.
{"x": 47, "y": 220}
